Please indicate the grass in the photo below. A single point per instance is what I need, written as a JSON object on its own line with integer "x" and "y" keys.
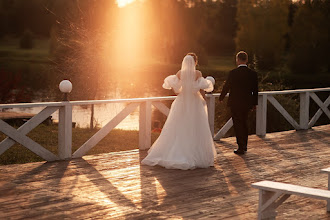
{"x": 47, "y": 136}
{"x": 10, "y": 51}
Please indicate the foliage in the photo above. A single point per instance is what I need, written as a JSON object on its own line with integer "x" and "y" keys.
{"x": 262, "y": 26}
{"x": 11, "y": 90}
{"x": 26, "y": 41}
{"x": 310, "y": 38}
{"x": 16, "y": 16}
{"x": 171, "y": 37}
{"x": 79, "y": 53}
{"x": 220, "y": 27}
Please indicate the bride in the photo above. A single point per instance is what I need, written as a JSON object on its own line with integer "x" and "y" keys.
{"x": 185, "y": 141}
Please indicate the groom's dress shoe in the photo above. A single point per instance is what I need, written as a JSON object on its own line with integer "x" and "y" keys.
{"x": 245, "y": 149}
{"x": 239, "y": 151}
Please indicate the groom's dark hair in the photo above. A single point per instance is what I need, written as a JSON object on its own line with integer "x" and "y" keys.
{"x": 242, "y": 56}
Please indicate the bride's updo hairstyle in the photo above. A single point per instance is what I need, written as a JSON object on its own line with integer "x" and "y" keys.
{"x": 194, "y": 56}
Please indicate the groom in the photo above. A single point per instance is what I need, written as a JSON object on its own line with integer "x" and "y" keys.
{"x": 242, "y": 85}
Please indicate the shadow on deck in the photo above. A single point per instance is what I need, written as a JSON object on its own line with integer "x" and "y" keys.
{"x": 114, "y": 185}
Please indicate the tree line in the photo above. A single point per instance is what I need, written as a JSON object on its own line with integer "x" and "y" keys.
{"x": 276, "y": 33}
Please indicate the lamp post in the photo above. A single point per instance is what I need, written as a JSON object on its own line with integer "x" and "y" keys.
{"x": 65, "y": 87}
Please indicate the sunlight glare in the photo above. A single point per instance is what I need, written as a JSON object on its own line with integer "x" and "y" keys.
{"x": 123, "y": 3}
{"x": 128, "y": 39}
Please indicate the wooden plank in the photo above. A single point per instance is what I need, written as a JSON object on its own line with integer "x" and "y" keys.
{"x": 161, "y": 107}
{"x": 65, "y": 132}
{"x": 282, "y": 92}
{"x": 145, "y": 126}
{"x": 116, "y": 186}
{"x": 285, "y": 114}
{"x": 105, "y": 130}
{"x": 292, "y": 189}
{"x": 261, "y": 115}
{"x": 270, "y": 201}
{"x": 323, "y": 106}
{"x": 221, "y": 133}
{"x": 281, "y": 200}
{"x": 211, "y": 111}
{"x": 323, "y": 109}
{"x": 304, "y": 110}
{"x": 152, "y": 99}
{"x": 26, "y": 142}
{"x": 31, "y": 105}
{"x": 326, "y": 170}
{"x": 328, "y": 202}
{"x": 14, "y": 115}
{"x": 28, "y": 126}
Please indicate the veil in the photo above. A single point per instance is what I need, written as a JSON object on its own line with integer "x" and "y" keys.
{"x": 187, "y": 82}
{"x": 188, "y": 73}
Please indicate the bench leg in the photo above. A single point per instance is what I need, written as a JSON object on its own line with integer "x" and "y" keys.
{"x": 328, "y": 201}
{"x": 268, "y": 202}
{"x": 266, "y": 209}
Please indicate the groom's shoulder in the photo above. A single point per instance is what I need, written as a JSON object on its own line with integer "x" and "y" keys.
{"x": 244, "y": 70}
{"x": 234, "y": 70}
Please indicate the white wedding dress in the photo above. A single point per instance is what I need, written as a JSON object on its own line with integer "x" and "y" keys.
{"x": 185, "y": 141}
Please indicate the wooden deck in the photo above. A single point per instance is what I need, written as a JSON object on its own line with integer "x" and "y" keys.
{"x": 114, "y": 185}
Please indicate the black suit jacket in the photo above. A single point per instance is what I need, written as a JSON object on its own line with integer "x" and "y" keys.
{"x": 242, "y": 85}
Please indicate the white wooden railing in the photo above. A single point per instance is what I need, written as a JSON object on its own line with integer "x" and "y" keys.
{"x": 145, "y": 110}
{"x": 304, "y": 121}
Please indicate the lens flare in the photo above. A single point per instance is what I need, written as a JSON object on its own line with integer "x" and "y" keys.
{"x": 123, "y": 3}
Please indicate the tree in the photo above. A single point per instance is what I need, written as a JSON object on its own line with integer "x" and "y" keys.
{"x": 174, "y": 28}
{"x": 309, "y": 38}
{"x": 262, "y": 26}
{"x": 11, "y": 88}
{"x": 81, "y": 54}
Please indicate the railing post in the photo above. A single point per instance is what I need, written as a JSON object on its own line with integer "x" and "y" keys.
{"x": 145, "y": 125}
{"x": 65, "y": 132}
{"x": 261, "y": 117}
{"x": 211, "y": 110}
{"x": 304, "y": 110}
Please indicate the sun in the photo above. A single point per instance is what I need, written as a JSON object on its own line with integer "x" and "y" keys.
{"x": 123, "y": 3}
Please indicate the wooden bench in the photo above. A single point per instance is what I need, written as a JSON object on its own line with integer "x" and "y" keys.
{"x": 19, "y": 118}
{"x": 327, "y": 170}
{"x": 273, "y": 194}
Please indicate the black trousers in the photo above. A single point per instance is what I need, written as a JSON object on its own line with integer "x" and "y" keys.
{"x": 240, "y": 116}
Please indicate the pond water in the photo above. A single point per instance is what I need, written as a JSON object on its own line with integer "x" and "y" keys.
{"x": 103, "y": 113}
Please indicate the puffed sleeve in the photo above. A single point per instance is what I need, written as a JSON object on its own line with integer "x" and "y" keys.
{"x": 172, "y": 82}
{"x": 204, "y": 84}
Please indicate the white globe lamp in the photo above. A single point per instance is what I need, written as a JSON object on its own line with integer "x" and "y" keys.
{"x": 211, "y": 79}
{"x": 65, "y": 87}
